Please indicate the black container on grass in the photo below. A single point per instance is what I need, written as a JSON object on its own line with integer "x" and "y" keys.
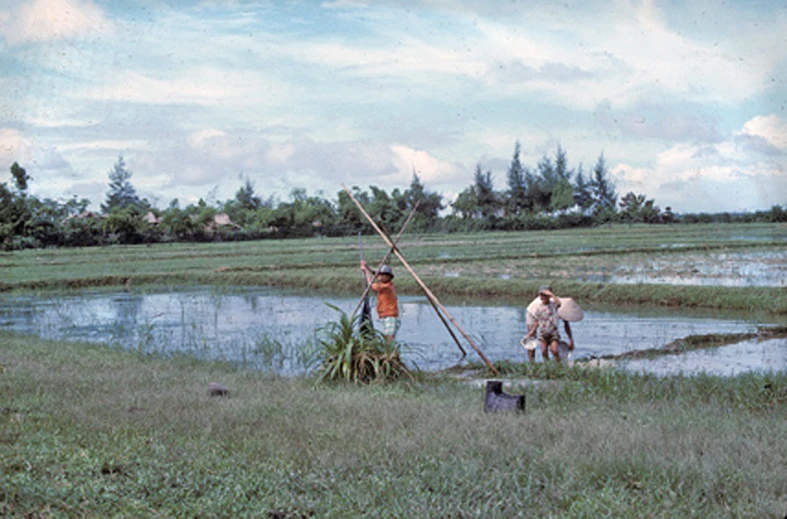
{"x": 496, "y": 400}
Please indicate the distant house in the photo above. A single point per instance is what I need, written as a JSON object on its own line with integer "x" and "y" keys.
{"x": 151, "y": 218}
{"x": 223, "y": 219}
{"x": 220, "y": 220}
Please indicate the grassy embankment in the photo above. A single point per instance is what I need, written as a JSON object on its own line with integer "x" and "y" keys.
{"x": 87, "y": 431}
{"x": 501, "y": 265}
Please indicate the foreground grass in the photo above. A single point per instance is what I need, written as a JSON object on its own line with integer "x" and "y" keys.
{"x": 98, "y": 432}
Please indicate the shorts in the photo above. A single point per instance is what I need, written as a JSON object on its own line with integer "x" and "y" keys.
{"x": 390, "y": 325}
{"x": 549, "y": 338}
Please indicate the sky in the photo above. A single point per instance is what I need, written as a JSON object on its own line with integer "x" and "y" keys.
{"x": 686, "y": 100}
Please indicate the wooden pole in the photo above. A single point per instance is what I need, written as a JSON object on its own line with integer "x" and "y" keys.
{"x": 426, "y": 290}
{"x": 385, "y": 258}
{"x": 436, "y": 309}
{"x": 447, "y": 327}
{"x": 366, "y": 327}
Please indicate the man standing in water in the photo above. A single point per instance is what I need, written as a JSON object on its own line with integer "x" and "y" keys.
{"x": 387, "y": 302}
{"x": 542, "y": 317}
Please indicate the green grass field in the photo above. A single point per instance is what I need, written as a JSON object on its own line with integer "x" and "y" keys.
{"x": 88, "y": 431}
{"x": 94, "y": 431}
{"x": 500, "y": 265}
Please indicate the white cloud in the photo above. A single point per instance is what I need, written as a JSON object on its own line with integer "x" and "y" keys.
{"x": 725, "y": 176}
{"x": 228, "y": 92}
{"x": 14, "y": 147}
{"x": 411, "y": 58}
{"x": 49, "y": 169}
{"x": 770, "y": 127}
{"x": 650, "y": 121}
{"x": 207, "y": 88}
{"x": 204, "y": 95}
{"x": 636, "y": 55}
{"x": 48, "y": 20}
{"x": 200, "y": 138}
{"x": 103, "y": 144}
{"x": 343, "y": 4}
{"x": 429, "y": 168}
{"x": 279, "y": 154}
{"x": 52, "y": 122}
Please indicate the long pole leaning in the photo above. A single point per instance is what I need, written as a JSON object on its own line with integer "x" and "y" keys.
{"x": 426, "y": 290}
{"x": 385, "y": 258}
{"x": 436, "y": 309}
{"x": 447, "y": 327}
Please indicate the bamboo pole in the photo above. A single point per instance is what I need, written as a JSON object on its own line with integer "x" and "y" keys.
{"x": 385, "y": 258}
{"x": 436, "y": 309}
{"x": 426, "y": 290}
{"x": 447, "y": 327}
{"x": 366, "y": 315}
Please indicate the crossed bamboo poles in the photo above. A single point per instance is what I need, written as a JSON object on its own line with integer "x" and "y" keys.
{"x": 385, "y": 260}
{"x": 441, "y": 310}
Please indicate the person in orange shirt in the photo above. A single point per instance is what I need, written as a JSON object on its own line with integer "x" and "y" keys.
{"x": 387, "y": 302}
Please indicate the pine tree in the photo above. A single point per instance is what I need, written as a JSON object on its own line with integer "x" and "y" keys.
{"x": 546, "y": 181}
{"x": 516, "y": 197}
{"x": 486, "y": 198}
{"x": 602, "y": 189}
{"x": 561, "y": 164}
{"x": 429, "y": 203}
{"x": 121, "y": 193}
{"x": 583, "y": 196}
{"x": 562, "y": 196}
{"x": 246, "y": 198}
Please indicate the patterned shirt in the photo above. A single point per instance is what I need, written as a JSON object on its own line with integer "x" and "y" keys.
{"x": 545, "y": 316}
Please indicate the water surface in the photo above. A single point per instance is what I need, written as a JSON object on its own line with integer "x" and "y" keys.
{"x": 753, "y": 355}
{"x": 276, "y": 329}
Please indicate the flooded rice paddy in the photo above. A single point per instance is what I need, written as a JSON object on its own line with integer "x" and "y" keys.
{"x": 731, "y": 269}
{"x": 751, "y": 355}
{"x": 277, "y": 330}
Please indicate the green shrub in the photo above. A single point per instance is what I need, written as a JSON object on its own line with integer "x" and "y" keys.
{"x": 348, "y": 354}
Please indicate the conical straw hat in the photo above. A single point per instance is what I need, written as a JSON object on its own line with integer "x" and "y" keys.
{"x": 569, "y": 310}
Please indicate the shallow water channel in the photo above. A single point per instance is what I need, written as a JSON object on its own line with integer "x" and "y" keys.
{"x": 272, "y": 329}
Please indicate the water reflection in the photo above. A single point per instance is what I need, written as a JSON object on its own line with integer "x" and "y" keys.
{"x": 275, "y": 329}
{"x": 768, "y": 355}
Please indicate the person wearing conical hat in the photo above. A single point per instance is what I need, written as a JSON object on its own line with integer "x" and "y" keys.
{"x": 543, "y": 318}
{"x": 387, "y": 302}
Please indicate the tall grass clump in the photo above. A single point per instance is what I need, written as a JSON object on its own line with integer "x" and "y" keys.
{"x": 345, "y": 352}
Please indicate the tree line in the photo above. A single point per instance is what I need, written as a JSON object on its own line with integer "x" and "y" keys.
{"x": 549, "y": 195}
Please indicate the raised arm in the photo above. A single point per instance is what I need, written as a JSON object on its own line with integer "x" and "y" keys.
{"x": 553, "y": 297}
{"x": 369, "y": 273}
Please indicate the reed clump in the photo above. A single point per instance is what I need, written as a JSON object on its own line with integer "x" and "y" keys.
{"x": 352, "y": 353}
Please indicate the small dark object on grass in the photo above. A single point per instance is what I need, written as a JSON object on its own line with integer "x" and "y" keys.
{"x": 216, "y": 389}
{"x": 496, "y": 400}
